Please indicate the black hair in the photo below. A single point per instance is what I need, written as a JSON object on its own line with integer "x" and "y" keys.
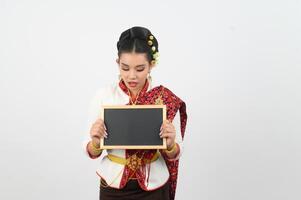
{"x": 136, "y": 40}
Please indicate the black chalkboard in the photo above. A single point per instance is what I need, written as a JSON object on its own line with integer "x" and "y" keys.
{"x": 133, "y": 127}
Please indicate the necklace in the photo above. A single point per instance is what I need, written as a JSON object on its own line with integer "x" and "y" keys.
{"x": 133, "y": 103}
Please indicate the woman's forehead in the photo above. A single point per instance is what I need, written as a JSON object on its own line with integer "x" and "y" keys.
{"x": 133, "y": 59}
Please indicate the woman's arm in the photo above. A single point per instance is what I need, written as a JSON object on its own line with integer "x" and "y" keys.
{"x": 96, "y": 128}
{"x": 174, "y": 149}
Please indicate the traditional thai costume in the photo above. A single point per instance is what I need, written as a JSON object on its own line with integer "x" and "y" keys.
{"x": 152, "y": 170}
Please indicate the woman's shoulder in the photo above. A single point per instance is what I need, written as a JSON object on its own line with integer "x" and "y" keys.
{"x": 169, "y": 94}
{"x": 107, "y": 91}
{"x": 166, "y": 90}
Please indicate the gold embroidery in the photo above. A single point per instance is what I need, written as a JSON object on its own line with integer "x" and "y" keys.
{"x": 159, "y": 100}
{"x": 134, "y": 162}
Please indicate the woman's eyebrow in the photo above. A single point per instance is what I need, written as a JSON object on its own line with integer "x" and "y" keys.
{"x": 140, "y": 65}
{"x": 125, "y": 64}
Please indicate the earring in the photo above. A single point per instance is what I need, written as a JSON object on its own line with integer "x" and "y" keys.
{"x": 119, "y": 77}
{"x": 149, "y": 78}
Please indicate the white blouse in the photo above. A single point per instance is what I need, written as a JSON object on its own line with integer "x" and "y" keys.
{"x": 110, "y": 171}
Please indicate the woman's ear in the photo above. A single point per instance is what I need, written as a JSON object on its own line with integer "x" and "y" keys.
{"x": 117, "y": 61}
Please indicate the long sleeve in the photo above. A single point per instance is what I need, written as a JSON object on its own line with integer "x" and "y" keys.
{"x": 177, "y": 124}
{"x": 94, "y": 113}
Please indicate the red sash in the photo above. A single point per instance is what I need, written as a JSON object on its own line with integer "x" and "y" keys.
{"x": 173, "y": 104}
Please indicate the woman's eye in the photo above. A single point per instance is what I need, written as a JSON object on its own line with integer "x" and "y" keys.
{"x": 125, "y": 69}
{"x": 140, "y": 70}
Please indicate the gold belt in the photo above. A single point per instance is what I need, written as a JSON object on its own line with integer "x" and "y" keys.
{"x": 134, "y": 161}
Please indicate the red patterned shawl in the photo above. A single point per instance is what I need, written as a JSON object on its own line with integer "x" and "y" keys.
{"x": 173, "y": 104}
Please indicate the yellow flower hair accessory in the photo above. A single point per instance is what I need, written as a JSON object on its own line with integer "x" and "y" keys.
{"x": 154, "y": 53}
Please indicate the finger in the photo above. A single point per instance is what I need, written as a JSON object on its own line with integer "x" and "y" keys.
{"x": 100, "y": 128}
{"x": 167, "y": 135}
{"x": 169, "y": 129}
{"x": 104, "y": 133}
{"x": 97, "y": 130}
{"x": 97, "y": 126}
{"x": 162, "y": 131}
{"x": 167, "y": 121}
{"x": 167, "y": 132}
{"x": 167, "y": 124}
{"x": 162, "y": 125}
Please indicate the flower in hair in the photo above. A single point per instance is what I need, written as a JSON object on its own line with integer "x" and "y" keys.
{"x": 154, "y": 53}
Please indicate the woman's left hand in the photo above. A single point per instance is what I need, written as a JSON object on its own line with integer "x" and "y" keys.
{"x": 168, "y": 131}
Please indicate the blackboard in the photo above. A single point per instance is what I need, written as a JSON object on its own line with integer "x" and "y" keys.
{"x": 133, "y": 127}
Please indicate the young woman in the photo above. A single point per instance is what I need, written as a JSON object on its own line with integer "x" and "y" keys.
{"x": 147, "y": 174}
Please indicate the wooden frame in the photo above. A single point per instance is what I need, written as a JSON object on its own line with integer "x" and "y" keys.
{"x": 109, "y": 109}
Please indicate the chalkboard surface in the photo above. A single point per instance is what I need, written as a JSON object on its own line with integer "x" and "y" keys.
{"x": 134, "y": 127}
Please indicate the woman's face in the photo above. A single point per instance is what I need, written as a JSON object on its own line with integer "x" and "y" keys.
{"x": 134, "y": 68}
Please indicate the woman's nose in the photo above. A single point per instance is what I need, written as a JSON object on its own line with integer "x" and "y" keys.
{"x": 132, "y": 74}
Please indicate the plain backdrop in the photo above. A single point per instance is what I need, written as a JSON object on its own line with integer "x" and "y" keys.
{"x": 235, "y": 63}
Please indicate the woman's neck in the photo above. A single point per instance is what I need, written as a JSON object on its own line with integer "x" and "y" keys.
{"x": 134, "y": 93}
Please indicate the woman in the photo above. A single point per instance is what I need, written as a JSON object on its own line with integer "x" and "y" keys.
{"x": 155, "y": 176}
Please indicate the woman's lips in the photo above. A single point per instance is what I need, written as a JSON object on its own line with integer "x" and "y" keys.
{"x": 132, "y": 84}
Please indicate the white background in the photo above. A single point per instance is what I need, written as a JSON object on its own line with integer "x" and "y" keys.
{"x": 235, "y": 63}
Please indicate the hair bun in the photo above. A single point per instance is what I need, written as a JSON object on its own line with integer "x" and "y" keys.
{"x": 123, "y": 37}
{"x": 139, "y": 32}
{"x": 136, "y": 32}
{"x": 141, "y": 40}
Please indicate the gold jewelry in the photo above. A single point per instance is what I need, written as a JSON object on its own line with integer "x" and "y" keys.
{"x": 155, "y": 54}
{"x": 97, "y": 150}
{"x": 173, "y": 148}
{"x": 134, "y": 103}
{"x": 149, "y": 78}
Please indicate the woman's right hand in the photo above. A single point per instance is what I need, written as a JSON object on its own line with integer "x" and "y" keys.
{"x": 98, "y": 131}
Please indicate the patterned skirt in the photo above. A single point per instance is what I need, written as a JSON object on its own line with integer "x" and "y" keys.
{"x": 132, "y": 191}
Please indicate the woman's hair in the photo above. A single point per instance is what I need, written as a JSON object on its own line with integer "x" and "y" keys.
{"x": 139, "y": 40}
